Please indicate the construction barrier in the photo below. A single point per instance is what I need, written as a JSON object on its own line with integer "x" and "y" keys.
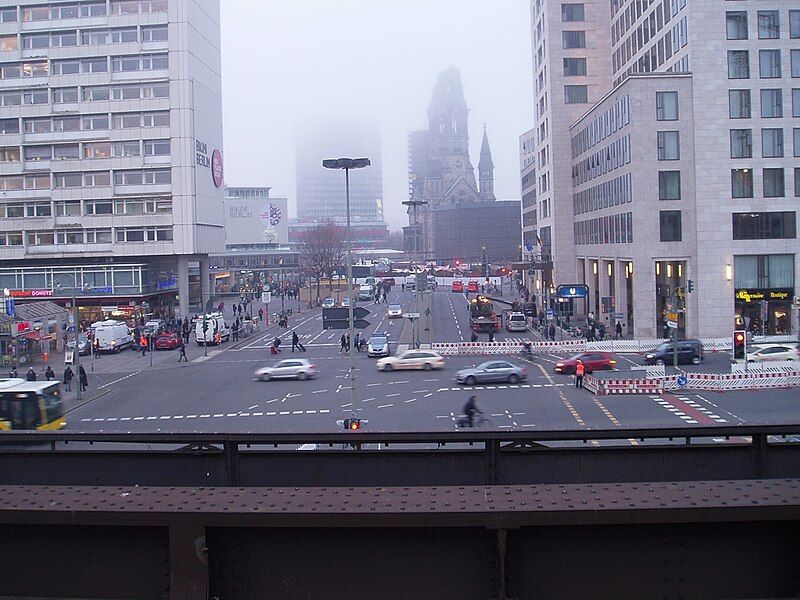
{"x": 695, "y": 381}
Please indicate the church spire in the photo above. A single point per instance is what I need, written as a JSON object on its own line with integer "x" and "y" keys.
{"x": 486, "y": 169}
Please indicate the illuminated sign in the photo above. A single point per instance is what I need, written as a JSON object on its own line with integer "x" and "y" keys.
{"x": 31, "y": 293}
{"x": 779, "y": 294}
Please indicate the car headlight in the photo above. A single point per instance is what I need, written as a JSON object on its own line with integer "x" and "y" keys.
{"x": 650, "y": 356}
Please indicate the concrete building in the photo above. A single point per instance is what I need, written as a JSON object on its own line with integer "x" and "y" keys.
{"x": 111, "y": 146}
{"x": 667, "y": 184}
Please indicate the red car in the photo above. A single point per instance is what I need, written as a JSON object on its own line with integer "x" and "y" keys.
{"x": 472, "y": 286}
{"x": 593, "y": 361}
{"x": 458, "y": 286}
{"x": 168, "y": 341}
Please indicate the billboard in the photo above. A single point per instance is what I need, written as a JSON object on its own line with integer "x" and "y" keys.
{"x": 256, "y": 221}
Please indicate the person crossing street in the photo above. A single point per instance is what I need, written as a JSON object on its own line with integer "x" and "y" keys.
{"x": 296, "y": 342}
{"x": 580, "y": 369}
{"x": 182, "y": 349}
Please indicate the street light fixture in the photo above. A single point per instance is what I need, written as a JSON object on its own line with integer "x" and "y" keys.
{"x": 346, "y": 164}
{"x": 75, "y": 324}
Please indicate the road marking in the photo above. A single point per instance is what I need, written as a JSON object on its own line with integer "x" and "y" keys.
{"x": 429, "y": 380}
{"x": 368, "y": 399}
{"x": 284, "y": 412}
{"x": 271, "y": 401}
{"x": 418, "y": 391}
{"x": 110, "y": 383}
{"x": 391, "y": 395}
{"x": 412, "y": 400}
{"x": 373, "y": 384}
{"x": 319, "y": 391}
{"x": 429, "y": 395}
{"x": 252, "y": 407}
{"x": 205, "y": 416}
{"x": 325, "y": 411}
{"x": 218, "y": 415}
{"x": 385, "y": 405}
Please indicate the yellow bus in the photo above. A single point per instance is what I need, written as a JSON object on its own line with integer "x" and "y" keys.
{"x": 31, "y": 405}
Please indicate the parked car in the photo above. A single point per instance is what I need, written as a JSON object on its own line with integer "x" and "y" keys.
{"x": 168, "y": 340}
{"x": 689, "y": 352}
{"x": 770, "y": 352}
{"x": 154, "y": 327}
{"x": 515, "y": 321}
{"x": 592, "y": 361}
{"x": 378, "y": 344}
{"x": 345, "y": 303}
{"x": 458, "y": 286}
{"x": 291, "y": 368}
{"x": 84, "y": 345}
{"x": 329, "y": 303}
{"x": 395, "y": 311}
{"x": 412, "y": 359}
{"x": 493, "y": 370}
{"x": 473, "y": 287}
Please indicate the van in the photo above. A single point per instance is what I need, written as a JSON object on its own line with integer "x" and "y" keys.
{"x": 515, "y": 321}
{"x": 366, "y": 292}
{"x": 689, "y": 352}
{"x": 215, "y": 322}
{"x": 411, "y": 282}
{"x": 112, "y": 335}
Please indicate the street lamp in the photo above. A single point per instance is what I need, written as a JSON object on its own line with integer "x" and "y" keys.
{"x": 346, "y": 164}
{"x": 75, "y": 324}
{"x": 280, "y": 281}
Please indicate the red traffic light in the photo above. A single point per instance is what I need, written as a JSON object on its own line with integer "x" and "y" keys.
{"x": 739, "y": 336}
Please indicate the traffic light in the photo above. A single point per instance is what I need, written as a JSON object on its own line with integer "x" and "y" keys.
{"x": 352, "y": 424}
{"x": 739, "y": 340}
{"x": 690, "y": 286}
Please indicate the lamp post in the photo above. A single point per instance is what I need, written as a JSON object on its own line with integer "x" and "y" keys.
{"x": 75, "y": 324}
{"x": 346, "y": 164}
{"x": 280, "y": 281}
{"x": 414, "y": 204}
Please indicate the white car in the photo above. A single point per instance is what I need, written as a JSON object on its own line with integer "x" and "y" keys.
{"x": 329, "y": 303}
{"x": 412, "y": 359}
{"x": 771, "y": 352}
{"x": 290, "y": 368}
{"x": 395, "y": 311}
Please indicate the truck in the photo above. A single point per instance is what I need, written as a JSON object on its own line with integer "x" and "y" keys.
{"x": 482, "y": 317}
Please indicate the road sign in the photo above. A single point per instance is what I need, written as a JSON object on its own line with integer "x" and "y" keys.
{"x": 577, "y": 290}
{"x": 427, "y": 312}
{"x": 411, "y": 315}
{"x": 338, "y": 318}
{"x": 549, "y": 313}
{"x": 672, "y": 316}
{"x": 10, "y": 306}
{"x": 672, "y": 324}
{"x": 266, "y": 297}
{"x": 344, "y": 324}
{"x": 682, "y": 380}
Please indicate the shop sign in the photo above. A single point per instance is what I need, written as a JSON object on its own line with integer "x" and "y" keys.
{"x": 770, "y": 295}
{"x": 103, "y": 290}
{"x": 23, "y": 327}
{"x": 108, "y": 308}
{"x": 171, "y": 283}
{"x": 31, "y": 293}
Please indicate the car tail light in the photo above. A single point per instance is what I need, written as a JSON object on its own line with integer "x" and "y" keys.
{"x": 524, "y": 372}
{"x": 312, "y": 366}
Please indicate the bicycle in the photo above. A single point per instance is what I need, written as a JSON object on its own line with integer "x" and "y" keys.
{"x": 478, "y": 422}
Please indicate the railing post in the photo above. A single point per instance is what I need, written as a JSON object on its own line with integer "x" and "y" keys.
{"x": 188, "y": 562}
{"x": 231, "y": 452}
{"x": 491, "y": 460}
{"x": 760, "y": 449}
{"x": 499, "y": 571}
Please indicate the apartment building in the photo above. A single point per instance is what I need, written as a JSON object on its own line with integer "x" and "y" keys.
{"x": 111, "y": 165}
{"x": 685, "y": 170}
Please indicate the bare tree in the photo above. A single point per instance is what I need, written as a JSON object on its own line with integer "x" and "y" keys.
{"x": 322, "y": 251}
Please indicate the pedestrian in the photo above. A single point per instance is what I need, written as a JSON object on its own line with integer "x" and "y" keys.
{"x": 182, "y": 350}
{"x": 83, "y": 377}
{"x": 552, "y": 332}
{"x": 580, "y": 369}
{"x": 618, "y": 330}
{"x": 491, "y": 337}
{"x": 13, "y": 372}
{"x": 276, "y": 346}
{"x": 68, "y": 375}
{"x": 95, "y": 347}
{"x": 473, "y": 337}
{"x": 260, "y": 314}
{"x": 296, "y": 342}
{"x": 348, "y": 342}
{"x": 357, "y": 342}
{"x": 403, "y": 286}
{"x": 217, "y": 338}
{"x": 143, "y": 344}
{"x": 48, "y": 374}
{"x": 31, "y": 376}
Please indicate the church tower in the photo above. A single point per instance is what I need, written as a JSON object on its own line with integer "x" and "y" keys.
{"x": 486, "y": 170}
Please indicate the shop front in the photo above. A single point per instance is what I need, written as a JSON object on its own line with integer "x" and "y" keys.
{"x": 764, "y": 311}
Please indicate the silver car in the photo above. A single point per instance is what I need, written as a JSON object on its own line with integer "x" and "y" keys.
{"x": 290, "y": 368}
{"x": 492, "y": 371}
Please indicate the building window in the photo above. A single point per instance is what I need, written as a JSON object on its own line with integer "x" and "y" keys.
{"x": 667, "y": 106}
{"x": 99, "y": 207}
{"x": 68, "y": 209}
{"x": 156, "y": 147}
{"x": 772, "y": 143}
{"x": 765, "y": 226}
{"x": 573, "y": 39}
{"x": 772, "y": 103}
{"x": 795, "y": 55}
{"x": 742, "y": 183}
{"x": 769, "y": 25}
{"x": 764, "y": 271}
{"x": 773, "y": 183}
{"x": 576, "y": 94}
{"x": 669, "y": 145}
{"x": 670, "y": 225}
{"x": 572, "y": 12}
{"x": 738, "y": 64}
{"x": 796, "y": 103}
{"x": 739, "y": 104}
{"x": 574, "y": 67}
{"x": 741, "y": 143}
{"x": 669, "y": 185}
{"x": 97, "y": 150}
{"x": 736, "y": 25}
{"x": 797, "y": 141}
{"x": 797, "y": 182}
{"x": 129, "y": 148}
{"x": 794, "y": 23}
{"x": 769, "y": 62}
{"x": 157, "y": 33}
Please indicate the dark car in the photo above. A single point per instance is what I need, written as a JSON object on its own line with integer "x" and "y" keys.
{"x": 593, "y": 361}
{"x": 689, "y": 352}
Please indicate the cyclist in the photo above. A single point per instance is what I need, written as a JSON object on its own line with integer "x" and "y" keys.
{"x": 470, "y": 410}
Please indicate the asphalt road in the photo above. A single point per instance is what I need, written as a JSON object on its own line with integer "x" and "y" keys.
{"x": 219, "y": 393}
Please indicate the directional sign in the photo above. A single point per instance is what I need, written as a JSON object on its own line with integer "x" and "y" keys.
{"x": 672, "y": 324}
{"x": 549, "y": 313}
{"x": 338, "y": 318}
{"x": 266, "y": 297}
{"x": 682, "y": 380}
{"x": 344, "y": 324}
{"x": 427, "y": 312}
{"x": 411, "y": 315}
{"x": 577, "y": 290}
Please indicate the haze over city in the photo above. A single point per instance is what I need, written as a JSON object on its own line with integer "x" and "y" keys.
{"x": 287, "y": 62}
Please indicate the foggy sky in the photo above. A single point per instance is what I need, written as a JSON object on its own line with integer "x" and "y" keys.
{"x": 285, "y": 61}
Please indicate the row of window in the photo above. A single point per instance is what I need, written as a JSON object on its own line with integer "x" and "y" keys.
{"x": 765, "y": 226}
{"x": 119, "y": 64}
{"x": 89, "y": 150}
{"x": 613, "y": 156}
{"x": 71, "y": 95}
{"x": 667, "y": 45}
{"x": 769, "y": 24}
{"x": 740, "y": 104}
{"x": 609, "y": 193}
{"x": 81, "y": 10}
{"x": 610, "y": 121}
{"x": 99, "y": 122}
{"x": 763, "y": 271}
{"x": 771, "y": 143}
{"x": 42, "y": 181}
{"x": 769, "y": 64}
{"x": 87, "y": 236}
{"x": 76, "y": 208}
{"x": 773, "y": 183}
{"x": 611, "y": 229}
{"x": 90, "y": 37}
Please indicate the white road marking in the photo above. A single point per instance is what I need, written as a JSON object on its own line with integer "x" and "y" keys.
{"x": 391, "y": 395}
{"x": 412, "y": 400}
{"x": 319, "y": 391}
{"x": 385, "y": 405}
{"x": 254, "y": 405}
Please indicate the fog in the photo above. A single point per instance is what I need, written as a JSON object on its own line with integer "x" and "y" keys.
{"x": 287, "y": 61}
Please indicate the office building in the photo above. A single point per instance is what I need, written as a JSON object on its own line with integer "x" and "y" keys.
{"x": 111, "y": 149}
{"x": 682, "y": 164}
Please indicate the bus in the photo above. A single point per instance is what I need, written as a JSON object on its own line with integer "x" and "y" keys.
{"x": 31, "y": 405}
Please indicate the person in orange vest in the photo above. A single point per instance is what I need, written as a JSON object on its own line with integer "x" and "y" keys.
{"x": 580, "y": 369}
{"x": 143, "y": 344}
{"x": 217, "y": 338}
